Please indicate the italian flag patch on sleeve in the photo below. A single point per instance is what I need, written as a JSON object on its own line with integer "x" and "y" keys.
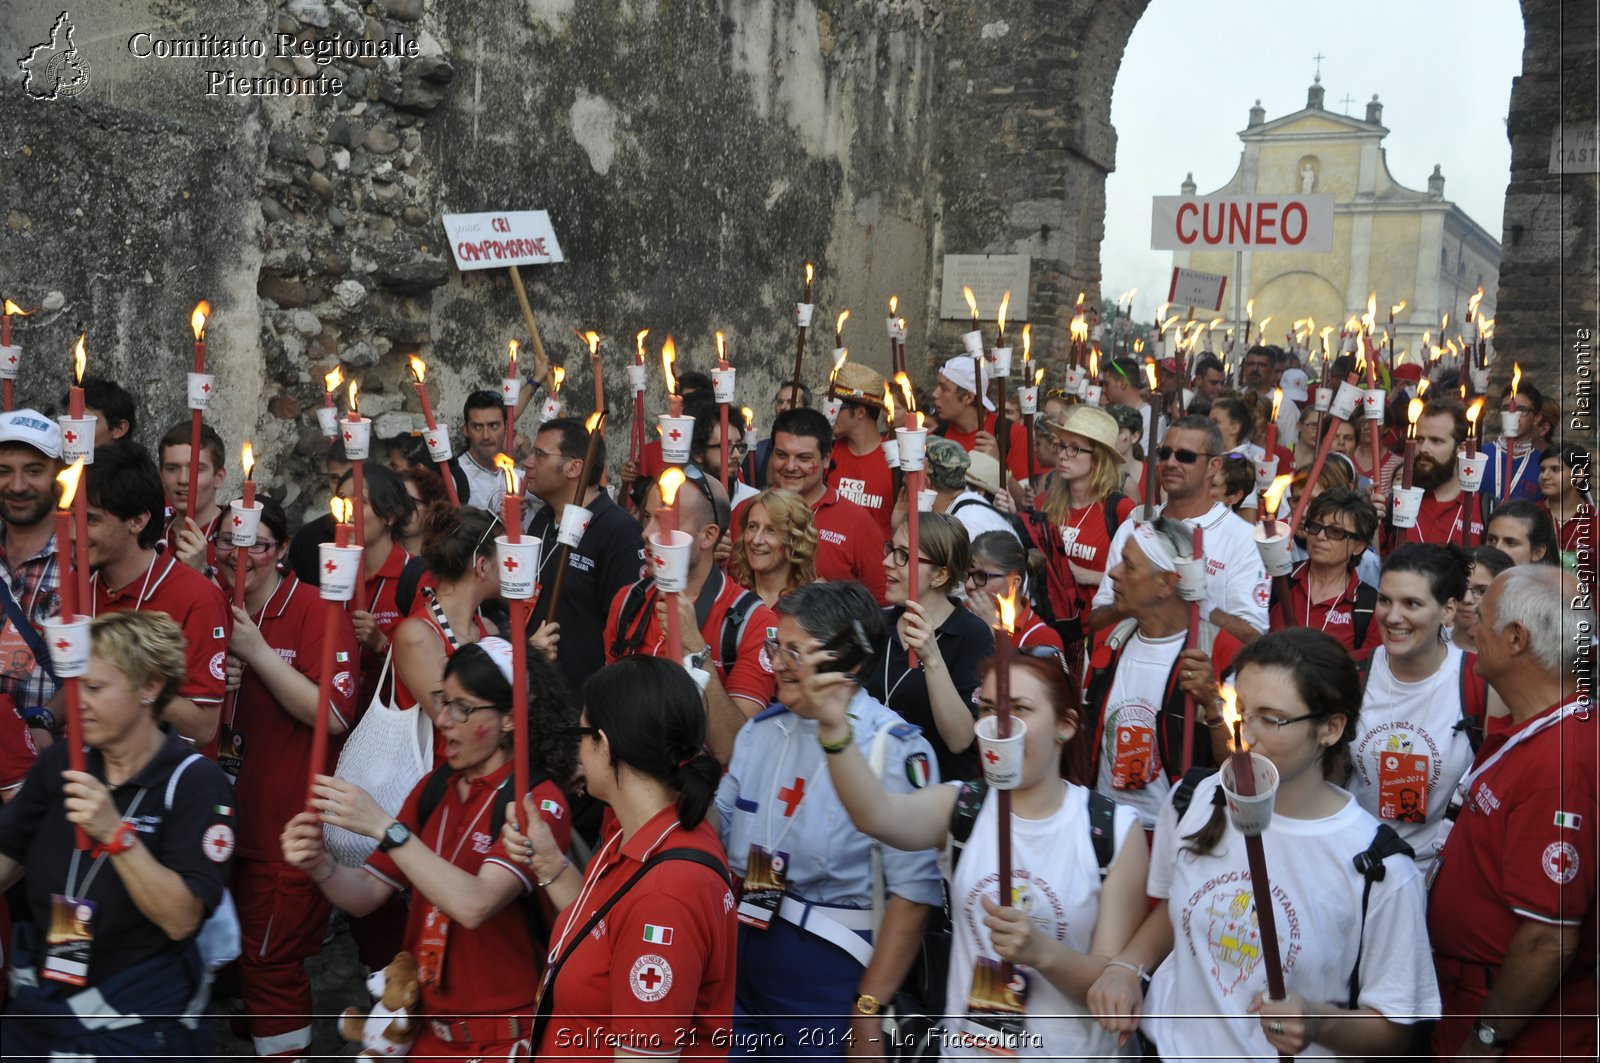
{"x": 657, "y": 935}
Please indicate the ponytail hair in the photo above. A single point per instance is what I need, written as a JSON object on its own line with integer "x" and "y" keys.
{"x": 655, "y": 723}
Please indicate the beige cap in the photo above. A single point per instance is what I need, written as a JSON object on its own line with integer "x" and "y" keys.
{"x": 983, "y": 471}
{"x": 1090, "y": 422}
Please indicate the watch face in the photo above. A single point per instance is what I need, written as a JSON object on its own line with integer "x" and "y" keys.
{"x": 125, "y": 836}
{"x": 395, "y": 835}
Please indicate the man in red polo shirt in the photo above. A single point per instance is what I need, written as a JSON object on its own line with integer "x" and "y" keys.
{"x": 715, "y": 613}
{"x": 192, "y": 541}
{"x": 125, "y": 509}
{"x": 849, "y": 541}
{"x": 955, "y": 400}
{"x": 861, "y": 473}
{"x": 1511, "y": 910}
{"x": 1440, "y": 432}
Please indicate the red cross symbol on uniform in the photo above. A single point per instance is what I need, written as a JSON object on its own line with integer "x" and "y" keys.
{"x": 991, "y": 756}
{"x": 791, "y": 796}
{"x": 220, "y": 843}
{"x": 510, "y": 564}
{"x": 674, "y": 435}
{"x": 649, "y": 978}
{"x": 71, "y": 437}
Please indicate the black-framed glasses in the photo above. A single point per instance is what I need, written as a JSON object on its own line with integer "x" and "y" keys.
{"x": 1333, "y": 533}
{"x": 740, "y": 449}
{"x": 1258, "y": 719}
{"x": 1185, "y": 457}
{"x": 902, "y": 556}
{"x": 458, "y": 710}
{"x": 260, "y": 548}
{"x": 979, "y": 578}
{"x": 1071, "y": 450}
{"x": 581, "y": 731}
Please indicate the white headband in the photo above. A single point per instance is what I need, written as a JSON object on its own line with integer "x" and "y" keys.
{"x": 499, "y": 651}
{"x": 1155, "y": 547}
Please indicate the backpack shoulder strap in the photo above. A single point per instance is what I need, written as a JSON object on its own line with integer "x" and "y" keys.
{"x": 1361, "y": 614}
{"x": 627, "y": 642}
{"x": 969, "y": 800}
{"x": 26, "y": 631}
{"x": 1113, "y": 502}
{"x": 432, "y": 793}
{"x": 405, "y": 590}
{"x": 1183, "y": 793}
{"x": 733, "y": 622}
{"x": 1385, "y": 843}
{"x": 1102, "y": 825}
{"x": 1474, "y": 705}
{"x": 965, "y": 502}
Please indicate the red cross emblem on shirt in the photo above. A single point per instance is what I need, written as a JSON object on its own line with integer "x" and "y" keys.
{"x": 220, "y": 843}
{"x": 71, "y": 437}
{"x": 510, "y": 564}
{"x": 650, "y": 978}
{"x": 674, "y": 435}
{"x": 791, "y": 796}
{"x": 991, "y": 756}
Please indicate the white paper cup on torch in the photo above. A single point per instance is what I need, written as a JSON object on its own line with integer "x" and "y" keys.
{"x": 201, "y": 387}
{"x": 1510, "y": 423}
{"x": 77, "y": 439}
{"x": 638, "y": 376}
{"x": 1251, "y": 815}
{"x": 519, "y": 566}
{"x": 551, "y": 408}
{"x": 69, "y": 645}
{"x": 1480, "y": 379}
{"x": 926, "y": 497}
{"x": 1028, "y": 400}
{"x": 1000, "y": 362}
{"x": 340, "y": 570}
{"x": 1469, "y": 471}
{"x": 1407, "y": 504}
{"x": 1372, "y": 404}
{"x": 1191, "y": 579}
{"x": 1323, "y": 400}
{"x": 1001, "y": 757}
{"x": 10, "y": 362}
{"x": 328, "y": 421}
{"x": 913, "y": 448}
{"x": 244, "y": 523}
{"x": 1093, "y": 394}
{"x": 802, "y": 314}
{"x": 722, "y": 381}
{"x": 1274, "y": 547}
{"x": 357, "y": 438}
{"x": 891, "y": 453}
{"x": 1266, "y": 472}
{"x": 438, "y": 440}
{"x": 677, "y": 435}
{"x": 831, "y": 408}
{"x": 1075, "y": 378}
{"x": 510, "y": 390}
{"x": 893, "y": 327}
{"x": 972, "y": 343}
{"x": 669, "y": 560}
{"x": 1346, "y": 401}
{"x": 574, "y": 522}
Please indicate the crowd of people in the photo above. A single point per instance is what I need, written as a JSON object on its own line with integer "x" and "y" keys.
{"x": 785, "y": 842}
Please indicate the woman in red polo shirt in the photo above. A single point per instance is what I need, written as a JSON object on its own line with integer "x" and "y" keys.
{"x": 998, "y": 562}
{"x": 1324, "y": 591}
{"x": 375, "y": 613}
{"x": 478, "y": 947}
{"x": 658, "y": 979}
{"x": 264, "y": 743}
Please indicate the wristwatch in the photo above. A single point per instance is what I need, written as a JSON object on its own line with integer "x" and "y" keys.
{"x": 1486, "y": 1035}
{"x": 698, "y": 660}
{"x": 867, "y": 1004}
{"x": 397, "y": 835}
{"x": 122, "y": 839}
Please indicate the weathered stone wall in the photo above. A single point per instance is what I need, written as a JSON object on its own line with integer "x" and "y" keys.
{"x": 1551, "y": 242}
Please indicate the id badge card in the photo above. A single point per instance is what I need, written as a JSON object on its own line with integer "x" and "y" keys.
{"x": 996, "y": 1004}
{"x": 71, "y": 937}
{"x": 1133, "y": 756}
{"x": 1403, "y": 787}
{"x": 766, "y": 876}
{"x": 230, "y": 751}
{"x": 430, "y": 947}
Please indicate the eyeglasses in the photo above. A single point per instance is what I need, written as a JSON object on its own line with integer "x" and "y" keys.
{"x": 778, "y": 651}
{"x": 740, "y": 449}
{"x": 1185, "y": 457}
{"x": 459, "y": 710}
{"x": 697, "y": 476}
{"x": 902, "y": 556}
{"x": 1258, "y": 719}
{"x": 978, "y": 578}
{"x": 261, "y": 547}
{"x": 1333, "y": 534}
{"x": 546, "y": 453}
{"x": 581, "y": 731}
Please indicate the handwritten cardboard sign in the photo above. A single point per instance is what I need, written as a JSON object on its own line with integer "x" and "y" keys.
{"x": 502, "y": 238}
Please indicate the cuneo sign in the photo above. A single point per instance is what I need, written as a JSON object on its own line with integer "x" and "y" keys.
{"x": 1242, "y": 223}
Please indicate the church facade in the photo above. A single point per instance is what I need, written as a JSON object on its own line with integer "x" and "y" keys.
{"x": 1402, "y": 243}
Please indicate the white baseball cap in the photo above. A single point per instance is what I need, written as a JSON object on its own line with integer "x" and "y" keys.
{"x": 34, "y": 429}
{"x": 958, "y": 371}
{"x": 1293, "y": 383}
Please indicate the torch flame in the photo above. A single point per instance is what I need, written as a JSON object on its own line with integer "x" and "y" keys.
{"x": 342, "y": 509}
{"x": 1325, "y": 333}
{"x": 810, "y": 273}
{"x": 247, "y": 458}
{"x": 1080, "y": 329}
{"x": 1264, "y": 323}
{"x": 838, "y": 324}
{"x": 638, "y": 342}
{"x": 354, "y": 410}
{"x": 13, "y": 308}
{"x": 1474, "y": 411}
{"x": 1250, "y": 309}
{"x": 902, "y": 324}
{"x": 1006, "y": 607}
{"x": 1372, "y": 304}
{"x": 888, "y": 401}
{"x": 1230, "y": 713}
{"x": 1038, "y": 377}
{"x": 669, "y": 354}
{"x": 1216, "y": 324}
{"x": 558, "y": 377}
{"x": 903, "y": 382}
{"x": 918, "y": 415}
{"x": 592, "y": 338}
{"x": 1027, "y": 341}
{"x": 1472, "y": 304}
{"x": 419, "y": 369}
{"x": 509, "y": 468}
{"x": 1005, "y": 301}
{"x": 669, "y": 483}
{"x": 894, "y": 304}
{"x": 197, "y": 320}
{"x": 1080, "y": 302}
{"x": 1277, "y": 401}
{"x": 1094, "y": 365}
{"x": 972, "y": 302}
{"x": 1275, "y": 493}
{"x": 594, "y": 420}
{"x": 722, "y": 347}
{"x": 1150, "y": 371}
{"x": 1353, "y": 324}
{"x": 1443, "y": 323}
{"x": 332, "y": 381}
{"x": 1422, "y": 386}
{"x": 749, "y": 415}
{"x": 838, "y": 363}
{"x": 1516, "y": 377}
{"x": 80, "y": 357}
{"x": 1397, "y": 307}
{"x": 1168, "y": 323}
{"x": 1414, "y": 409}
{"x": 1486, "y": 328}
{"x": 68, "y": 479}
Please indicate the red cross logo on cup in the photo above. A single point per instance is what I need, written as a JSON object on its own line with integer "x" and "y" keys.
{"x": 675, "y": 435}
{"x": 63, "y": 645}
{"x": 330, "y": 566}
{"x": 206, "y": 388}
{"x": 71, "y": 437}
{"x": 510, "y": 564}
{"x": 347, "y": 437}
{"x": 12, "y": 359}
{"x": 237, "y": 520}
{"x": 432, "y": 442}
{"x": 991, "y": 756}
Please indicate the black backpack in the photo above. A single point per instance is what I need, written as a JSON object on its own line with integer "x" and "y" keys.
{"x": 641, "y": 596}
{"x": 969, "y": 801}
{"x": 405, "y": 589}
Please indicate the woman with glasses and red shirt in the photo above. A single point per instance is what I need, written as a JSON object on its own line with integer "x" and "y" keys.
{"x": 1324, "y": 591}
{"x": 1000, "y": 566}
{"x": 264, "y": 743}
{"x": 479, "y": 947}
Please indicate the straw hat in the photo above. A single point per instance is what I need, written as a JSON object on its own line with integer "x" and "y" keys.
{"x": 857, "y": 383}
{"x": 1090, "y": 422}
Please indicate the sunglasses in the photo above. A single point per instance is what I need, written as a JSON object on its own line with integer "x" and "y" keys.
{"x": 579, "y": 731}
{"x": 1044, "y": 653}
{"x": 1185, "y": 457}
{"x": 1331, "y": 532}
{"x": 697, "y": 476}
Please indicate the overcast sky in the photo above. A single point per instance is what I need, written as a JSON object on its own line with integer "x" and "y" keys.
{"x": 1441, "y": 68}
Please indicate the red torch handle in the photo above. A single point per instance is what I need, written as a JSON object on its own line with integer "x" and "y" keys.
{"x": 319, "y": 734}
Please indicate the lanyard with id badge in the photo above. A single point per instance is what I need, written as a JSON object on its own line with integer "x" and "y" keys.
{"x": 435, "y": 932}
{"x": 70, "y": 940}
{"x": 766, "y": 875}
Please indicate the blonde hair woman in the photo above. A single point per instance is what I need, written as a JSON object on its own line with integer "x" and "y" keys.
{"x": 776, "y": 552}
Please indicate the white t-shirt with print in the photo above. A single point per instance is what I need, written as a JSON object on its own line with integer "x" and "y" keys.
{"x": 1196, "y": 1007}
{"x": 1128, "y": 726}
{"x": 1236, "y": 580}
{"x": 1056, "y": 878}
{"x": 1408, "y": 753}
